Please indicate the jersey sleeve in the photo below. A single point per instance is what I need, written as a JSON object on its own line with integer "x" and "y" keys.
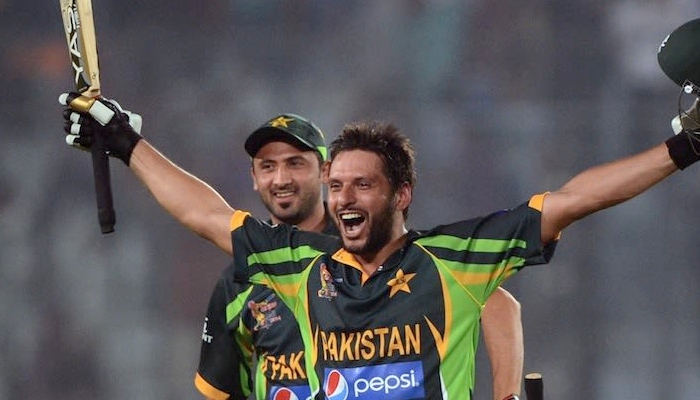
{"x": 276, "y": 255}
{"x": 483, "y": 252}
{"x": 224, "y": 364}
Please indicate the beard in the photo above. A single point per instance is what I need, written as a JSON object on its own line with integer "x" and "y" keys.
{"x": 379, "y": 233}
{"x": 296, "y": 212}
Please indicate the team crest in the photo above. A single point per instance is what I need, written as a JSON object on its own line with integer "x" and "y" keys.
{"x": 399, "y": 283}
{"x": 265, "y": 312}
{"x": 328, "y": 289}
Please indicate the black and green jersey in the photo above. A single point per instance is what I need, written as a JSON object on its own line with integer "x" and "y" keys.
{"x": 247, "y": 321}
{"x": 410, "y": 330}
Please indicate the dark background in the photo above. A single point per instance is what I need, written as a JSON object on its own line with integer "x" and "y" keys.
{"x": 502, "y": 99}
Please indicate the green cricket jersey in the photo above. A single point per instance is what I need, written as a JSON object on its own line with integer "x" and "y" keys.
{"x": 408, "y": 331}
{"x": 246, "y": 322}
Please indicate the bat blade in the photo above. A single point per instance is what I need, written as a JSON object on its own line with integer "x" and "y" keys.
{"x": 534, "y": 386}
{"x": 79, "y": 28}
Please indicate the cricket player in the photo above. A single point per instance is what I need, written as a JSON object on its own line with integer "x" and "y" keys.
{"x": 244, "y": 322}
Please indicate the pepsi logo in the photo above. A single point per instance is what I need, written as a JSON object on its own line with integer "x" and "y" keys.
{"x": 284, "y": 394}
{"x": 336, "y": 387}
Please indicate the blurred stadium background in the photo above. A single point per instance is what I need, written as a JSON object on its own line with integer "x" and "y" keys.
{"x": 501, "y": 98}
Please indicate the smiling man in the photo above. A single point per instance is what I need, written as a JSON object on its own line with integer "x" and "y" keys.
{"x": 254, "y": 348}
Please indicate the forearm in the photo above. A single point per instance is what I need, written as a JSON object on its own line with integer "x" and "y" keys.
{"x": 190, "y": 200}
{"x": 604, "y": 186}
{"x": 503, "y": 336}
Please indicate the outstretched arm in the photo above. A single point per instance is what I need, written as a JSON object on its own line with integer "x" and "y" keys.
{"x": 609, "y": 184}
{"x": 503, "y": 337}
{"x": 604, "y": 186}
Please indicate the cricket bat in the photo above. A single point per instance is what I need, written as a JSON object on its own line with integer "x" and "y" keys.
{"x": 79, "y": 27}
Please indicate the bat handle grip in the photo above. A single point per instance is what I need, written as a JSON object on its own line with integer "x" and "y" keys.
{"x": 534, "y": 386}
{"x": 103, "y": 188}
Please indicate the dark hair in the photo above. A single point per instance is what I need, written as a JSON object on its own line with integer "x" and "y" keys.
{"x": 385, "y": 140}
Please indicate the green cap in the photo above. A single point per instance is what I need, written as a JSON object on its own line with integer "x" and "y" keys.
{"x": 290, "y": 128}
{"x": 679, "y": 54}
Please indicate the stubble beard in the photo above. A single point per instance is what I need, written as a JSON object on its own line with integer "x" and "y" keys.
{"x": 297, "y": 212}
{"x": 379, "y": 234}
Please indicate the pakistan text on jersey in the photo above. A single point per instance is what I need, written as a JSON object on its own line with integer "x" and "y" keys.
{"x": 369, "y": 344}
{"x": 285, "y": 366}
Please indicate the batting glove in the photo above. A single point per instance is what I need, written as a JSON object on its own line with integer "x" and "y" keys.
{"x": 85, "y": 117}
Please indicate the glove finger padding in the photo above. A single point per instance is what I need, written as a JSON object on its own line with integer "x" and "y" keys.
{"x": 134, "y": 120}
{"x": 81, "y": 142}
{"x": 120, "y": 130}
{"x": 101, "y": 109}
{"x": 79, "y": 130}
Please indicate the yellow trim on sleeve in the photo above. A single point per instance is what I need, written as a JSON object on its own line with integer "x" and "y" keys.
{"x": 207, "y": 390}
{"x": 237, "y": 219}
{"x": 537, "y": 201}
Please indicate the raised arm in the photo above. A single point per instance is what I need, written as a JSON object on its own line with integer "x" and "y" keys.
{"x": 187, "y": 198}
{"x": 609, "y": 184}
{"x": 190, "y": 200}
{"x": 604, "y": 186}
